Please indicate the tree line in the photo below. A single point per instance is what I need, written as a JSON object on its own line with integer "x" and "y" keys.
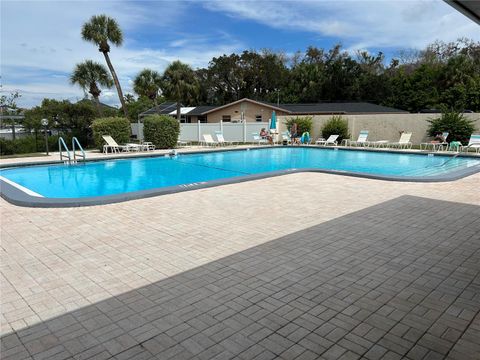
{"x": 443, "y": 75}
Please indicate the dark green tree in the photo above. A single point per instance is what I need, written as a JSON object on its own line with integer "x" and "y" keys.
{"x": 89, "y": 75}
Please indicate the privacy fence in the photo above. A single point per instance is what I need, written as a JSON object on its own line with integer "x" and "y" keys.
{"x": 380, "y": 127}
{"x": 237, "y": 132}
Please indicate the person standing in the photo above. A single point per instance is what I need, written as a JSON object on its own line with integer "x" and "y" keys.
{"x": 293, "y": 133}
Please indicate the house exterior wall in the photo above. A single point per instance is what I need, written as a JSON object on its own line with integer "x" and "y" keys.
{"x": 250, "y": 111}
{"x": 382, "y": 126}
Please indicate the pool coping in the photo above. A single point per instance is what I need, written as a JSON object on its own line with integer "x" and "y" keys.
{"x": 17, "y": 196}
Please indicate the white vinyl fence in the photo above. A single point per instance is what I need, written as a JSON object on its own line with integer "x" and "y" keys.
{"x": 237, "y": 132}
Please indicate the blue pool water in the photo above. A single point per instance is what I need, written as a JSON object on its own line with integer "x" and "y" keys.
{"x": 126, "y": 175}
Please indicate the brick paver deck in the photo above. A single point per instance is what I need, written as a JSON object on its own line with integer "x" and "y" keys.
{"x": 397, "y": 279}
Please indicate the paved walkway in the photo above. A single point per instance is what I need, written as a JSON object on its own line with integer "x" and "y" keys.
{"x": 397, "y": 279}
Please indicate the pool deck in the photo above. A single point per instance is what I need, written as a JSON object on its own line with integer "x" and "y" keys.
{"x": 300, "y": 266}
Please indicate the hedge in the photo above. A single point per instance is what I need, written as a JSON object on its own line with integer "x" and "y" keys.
{"x": 336, "y": 125}
{"x": 161, "y": 130}
{"x": 304, "y": 124}
{"x": 458, "y": 126}
{"x": 117, "y": 127}
{"x": 27, "y": 144}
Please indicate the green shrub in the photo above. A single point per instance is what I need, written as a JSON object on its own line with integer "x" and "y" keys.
{"x": 28, "y": 144}
{"x": 336, "y": 125}
{"x": 161, "y": 130}
{"x": 118, "y": 128}
{"x": 458, "y": 126}
{"x": 304, "y": 124}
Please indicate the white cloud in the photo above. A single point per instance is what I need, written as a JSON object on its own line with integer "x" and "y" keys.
{"x": 41, "y": 43}
{"x": 359, "y": 24}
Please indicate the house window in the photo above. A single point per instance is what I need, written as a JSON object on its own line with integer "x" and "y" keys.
{"x": 258, "y": 118}
{"x": 226, "y": 118}
{"x": 202, "y": 118}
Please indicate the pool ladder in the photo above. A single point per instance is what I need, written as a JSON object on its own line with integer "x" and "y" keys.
{"x": 67, "y": 157}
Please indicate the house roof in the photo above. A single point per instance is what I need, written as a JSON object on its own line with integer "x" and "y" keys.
{"x": 200, "y": 110}
{"x": 163, "y": 108}
{"x": 339, "y": 108}
{"x": 274, "y": 107}
{"x": 293, "y": 109}
{"x": 90, "y": 101}
{"x": 183, "y": 111}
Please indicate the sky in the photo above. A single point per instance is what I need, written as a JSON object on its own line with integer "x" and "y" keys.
{"x": 41, "y": 41}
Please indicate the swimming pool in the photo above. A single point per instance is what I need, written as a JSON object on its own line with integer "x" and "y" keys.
{"x": 122, "y": 179}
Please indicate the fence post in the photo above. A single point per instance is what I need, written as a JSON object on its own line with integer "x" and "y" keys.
{"x": 198, "y": 131}
{"x": 244, "y": 131}
{"x": 221, "y": 126}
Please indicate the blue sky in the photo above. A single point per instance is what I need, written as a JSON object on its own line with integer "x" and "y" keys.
{"x": 41, "y": 43}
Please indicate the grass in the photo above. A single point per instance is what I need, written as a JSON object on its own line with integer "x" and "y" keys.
{"x": 38, "y": 154}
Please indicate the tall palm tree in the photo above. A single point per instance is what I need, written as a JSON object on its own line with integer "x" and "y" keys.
{"x": 103, "y": 30}
{"x": 148, "y": 83}
{"x": 88, "y": 75}
{"x": 180, "y": 84}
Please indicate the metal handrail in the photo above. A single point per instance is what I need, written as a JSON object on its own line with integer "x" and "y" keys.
{"x": 68, "y": 156}
{"x": 82, "y": 155}
{"x": 454, "y": 156}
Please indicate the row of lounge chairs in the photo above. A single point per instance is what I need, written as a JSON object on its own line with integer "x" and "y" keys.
{"x": 112, "y": 146}
{"x": 405, "y": 142}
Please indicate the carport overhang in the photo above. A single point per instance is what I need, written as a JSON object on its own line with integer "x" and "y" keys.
{"x": 469, "y": 8}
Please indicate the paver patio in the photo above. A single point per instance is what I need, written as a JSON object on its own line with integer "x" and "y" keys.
{"x": 247, "y": 270}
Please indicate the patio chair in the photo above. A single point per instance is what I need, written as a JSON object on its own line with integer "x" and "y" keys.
{"x": 332, "y": 140}
{"x": 361, "y": 140}
{"x": 258, "y": 139}
{"x": 147, "y": 146}
{"x": 403, "y": 143}
{"x": 208, "y": 140}
{"x": 221, "y": 139}
{"x": 113, "y": 146}
{"x": 473, "y": 143}
{"x": 286, "y": 137}
{"x": 436, "y": 145}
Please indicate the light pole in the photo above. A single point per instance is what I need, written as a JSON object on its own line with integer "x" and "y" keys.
{"x": 45, "y": 124}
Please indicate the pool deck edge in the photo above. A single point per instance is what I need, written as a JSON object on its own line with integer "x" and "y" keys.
{"x": 16, "y": 196}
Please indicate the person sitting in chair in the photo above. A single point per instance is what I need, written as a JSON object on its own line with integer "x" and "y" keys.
{"x": 264, "y": 134}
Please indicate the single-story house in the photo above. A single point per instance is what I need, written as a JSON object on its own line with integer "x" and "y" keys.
{"x": 258, "y": 111}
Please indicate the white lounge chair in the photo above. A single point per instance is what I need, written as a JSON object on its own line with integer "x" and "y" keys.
{"x": 221, "y": 139}
{"x": 361, "y": 140}
{"x": 258, "y": 139}
{"x": 436, "y": 145}
{"x": 114, "y": 147}
{"x": 332, "y": 140}
{"x": 208, "y": 140}
{"x": 473, "y": 143}
{"x": 403, "y": 143}
{"x": 286, "y": 137}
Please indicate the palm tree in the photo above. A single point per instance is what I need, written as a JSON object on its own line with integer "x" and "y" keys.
{"x": 88, "y": 75}
{"x": 148, "y": 83}
{"x": 180, "y": 84}
{"x": 103, "y": 30}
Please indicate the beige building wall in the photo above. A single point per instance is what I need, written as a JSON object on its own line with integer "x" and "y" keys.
{"x": 382, "y": 126}
{"x": 249, "y": 109}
